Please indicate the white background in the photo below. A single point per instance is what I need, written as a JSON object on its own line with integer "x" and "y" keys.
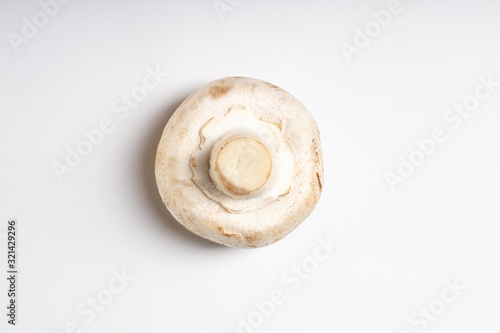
{"x": 398, "y": 248}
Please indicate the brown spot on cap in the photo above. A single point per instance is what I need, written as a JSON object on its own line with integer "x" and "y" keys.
{"x": 252, "y": 238}
{"x": 228, "y": 234}
{"x": 270, "y": 85}
{"x": 319, "y": 181}
{"x": 219, "y": 91}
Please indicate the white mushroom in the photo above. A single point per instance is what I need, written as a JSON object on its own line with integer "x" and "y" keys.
{"x": 239, "y": 163}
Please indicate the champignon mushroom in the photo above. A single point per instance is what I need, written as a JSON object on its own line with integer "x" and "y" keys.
{"x": 240, "y": 163}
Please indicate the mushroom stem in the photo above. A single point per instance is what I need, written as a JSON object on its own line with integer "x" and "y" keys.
{"x": 241, "y": 166}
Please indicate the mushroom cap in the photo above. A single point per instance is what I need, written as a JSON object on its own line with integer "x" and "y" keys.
{"x": 209, "y": 119}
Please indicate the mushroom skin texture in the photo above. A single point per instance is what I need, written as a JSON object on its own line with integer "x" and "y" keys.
{"x": 239, "y": 163}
